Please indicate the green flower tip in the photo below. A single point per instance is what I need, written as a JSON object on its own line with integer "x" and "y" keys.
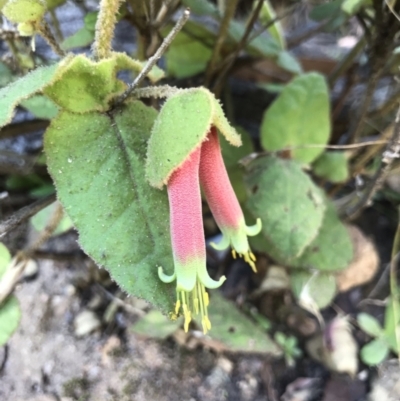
{"x": 191, "y": 295}
{"x": 237, "y": 239}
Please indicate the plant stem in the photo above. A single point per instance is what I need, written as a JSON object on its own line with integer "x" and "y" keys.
{"x": 232, "y": 57}
{"x": 368, "y": 95}
{"x": 56, "y": 25}
{"x": 105, "y": 28}
{"x": 392, "y": 152}
{"x": 347, "y": 61}
{"x": 25, "y": 213}
{"x": 394, "y": 290}
{"x": 386, "y": 107}
{"x": 229, "y": 13}
{"x": 157, "y": 55}
{"x": 45, "y": 31}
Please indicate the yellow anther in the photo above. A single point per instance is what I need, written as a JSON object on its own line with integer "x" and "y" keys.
{"x": 206, "y": 298}
{"x": 205, "y": 322}
{"x": 177, "y": 306}
{"x": 252, "y": 256}
{"x": 186, "y": 323}
{"x": 234, "y": 254}
{"x": 248, "y": 257}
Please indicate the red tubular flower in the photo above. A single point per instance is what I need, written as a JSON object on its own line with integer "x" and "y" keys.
{"x": 223, "y": 202}
{"x": 182, "y": 151}
{"x": 188, "y": 244}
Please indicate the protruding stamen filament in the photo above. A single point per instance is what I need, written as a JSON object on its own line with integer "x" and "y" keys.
{"x": 196, "y": 300}
{"x": 250, "y": 259}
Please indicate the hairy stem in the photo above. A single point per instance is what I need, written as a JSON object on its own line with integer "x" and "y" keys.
{"x": 45, "y": 31}
{"x": 105, "y": 28}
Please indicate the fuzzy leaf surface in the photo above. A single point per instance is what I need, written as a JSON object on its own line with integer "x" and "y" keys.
{"x": 23, "y": 88}
{"x": 82, "y": 85}
{"x": 300, "y": 116}
{"x": 332, "y": 166}
{"x": 181, "y": 126}
{"x": 24, "y": 10}
{"x": 289, "y": 204}
{"x": 97, "y": 163}
{"x": 332, "y": 249}
{"x": 40, "y": 106}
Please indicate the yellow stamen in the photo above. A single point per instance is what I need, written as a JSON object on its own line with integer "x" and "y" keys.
{"x": 234, "y": 254}
{"x": 206, "y": 299}
{"x": 250, "y": 259}
{"x": 205, "y": 322}
{"x": 177, "y": 306}
{"x": 195, "y": 301}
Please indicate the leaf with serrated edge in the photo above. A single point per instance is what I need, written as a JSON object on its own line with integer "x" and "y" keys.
{"x": 23, "y": 88}
{"x": 300, "y": 116}
{"x": 290, "y": 205}
{"x": 97, "y": 163}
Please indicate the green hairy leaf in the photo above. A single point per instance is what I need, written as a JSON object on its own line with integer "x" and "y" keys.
{"x": 21, "y": 11}
{"x": 95, "y": 82}
{"x": 300, "y": 116}
{"x": 97, "y": 163}
{"x": 289, "y": 204}
{"x": 181, "y": 126}
{"x": 332, "y": 166}
{"x": 23, "y": 88}
{"x": 332, "y": 249}
{"x": 40, "y": 106}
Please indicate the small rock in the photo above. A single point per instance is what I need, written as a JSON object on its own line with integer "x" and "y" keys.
{"x": 31, "y": 268}
{"x": 302, "y": 389}
{"x": 248, "y": 388}
{"x": 86, "y": 322}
